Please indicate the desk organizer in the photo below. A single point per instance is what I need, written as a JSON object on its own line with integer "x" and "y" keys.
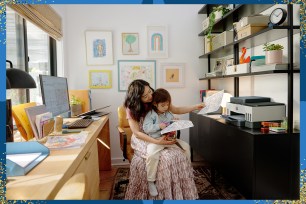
{"x": 12, "y": 168}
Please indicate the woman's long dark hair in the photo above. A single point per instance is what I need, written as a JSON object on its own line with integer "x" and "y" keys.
{"x": 133, "y": 99}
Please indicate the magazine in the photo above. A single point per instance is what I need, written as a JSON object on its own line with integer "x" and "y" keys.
{"x": 69, "y": 141}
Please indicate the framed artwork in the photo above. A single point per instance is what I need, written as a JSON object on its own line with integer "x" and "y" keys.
{"x": 130, "y": 44}
{"x": 129, "y": 70}
{"x": 99, "y": 47}
{"x": 100, "y": 79}
{"x": 219, "y": 65}
{"x": 157, "y": 41}
{"x": 172, "y": 75}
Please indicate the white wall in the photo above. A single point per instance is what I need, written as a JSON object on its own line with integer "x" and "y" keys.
{"x": 184, "y": 47}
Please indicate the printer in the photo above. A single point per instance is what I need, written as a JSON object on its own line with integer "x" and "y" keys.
{"x": 250, "y": 111}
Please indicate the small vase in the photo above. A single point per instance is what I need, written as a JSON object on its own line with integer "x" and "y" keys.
{"x": 274, "y": 57}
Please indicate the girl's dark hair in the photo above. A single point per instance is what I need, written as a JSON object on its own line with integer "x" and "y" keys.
{"x": 159, "y": 96}
{"x": 133, "y": 99}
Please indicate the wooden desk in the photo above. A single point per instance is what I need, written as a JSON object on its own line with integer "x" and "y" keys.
{"x": 44, "y": 181}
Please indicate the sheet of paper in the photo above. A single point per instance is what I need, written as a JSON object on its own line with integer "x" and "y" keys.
{"x": 69, "y": 141}
{"x": 23, "y": 160}
{"x": 212, "y": 103}
{"x": 177, "y": 125}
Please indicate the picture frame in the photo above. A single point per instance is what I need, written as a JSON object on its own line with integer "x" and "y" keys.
{"x": 100, "y": 79}
{"x": 230, "y": 62}
{"x": 130, "y": 43}
{"x": 157, "y": 37}
{"x": 172, "y": 75}
{"x": 129, "y": 70}
{"x": 99, "y": 47}
{"x": 219, "y": 65}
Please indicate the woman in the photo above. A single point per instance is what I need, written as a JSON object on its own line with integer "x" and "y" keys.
{"x": 174, "y": 179}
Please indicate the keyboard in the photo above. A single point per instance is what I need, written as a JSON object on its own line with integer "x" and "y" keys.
{"x": 81, "y": 123}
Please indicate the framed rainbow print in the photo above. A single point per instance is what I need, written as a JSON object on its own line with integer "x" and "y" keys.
{"x": 157, "y": 37}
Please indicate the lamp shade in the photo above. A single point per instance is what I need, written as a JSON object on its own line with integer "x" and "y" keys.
{"x": 8, "y": 85}
{"x": 20, "y": 79}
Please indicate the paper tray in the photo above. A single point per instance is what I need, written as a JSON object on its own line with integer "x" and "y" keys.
{"x": 12, "y": 168}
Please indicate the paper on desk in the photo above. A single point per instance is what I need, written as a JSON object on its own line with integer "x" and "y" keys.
{"x": 23, "y": 160}
{"x": 177, "y": 125}
{"x": 212, "y": 103}
{"x": 69, "y": 141}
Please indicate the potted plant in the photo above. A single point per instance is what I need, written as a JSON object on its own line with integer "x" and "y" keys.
{"x": 76, "y": 106}
{"x": 274, "y": 53}
{"x": 216, "y": 14}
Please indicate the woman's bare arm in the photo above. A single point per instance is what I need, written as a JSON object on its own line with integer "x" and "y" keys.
{"x": 186, "y": 109}
{"x": 134, "y": 125}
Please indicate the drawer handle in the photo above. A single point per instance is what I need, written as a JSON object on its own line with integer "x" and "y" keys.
{"x": 87, "y": 155}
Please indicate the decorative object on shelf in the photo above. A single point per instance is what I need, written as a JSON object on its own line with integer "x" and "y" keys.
{"x": 215, "y": 15}
{"x": 75, "y": 105}
{"x": 157, "y": 41}
{"x": 242, "y": 58}
{"x": 274, "y": 53}
{"x": 172, "y": 75}
{"x": 99, "y": 47}
{"x": 219, "y": 65}
{"x": 230, "y": 62}
{"x": 278, "y": 16}
{"x": 130, "y": 44}
{"x": 100, "y": 79}
{"x": 129, "y": 70}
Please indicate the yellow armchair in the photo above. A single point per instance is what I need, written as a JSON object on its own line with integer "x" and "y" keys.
{"x": 125, "y": 134}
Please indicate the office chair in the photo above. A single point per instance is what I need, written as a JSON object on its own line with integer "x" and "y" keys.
{"x": 76, "y": 188}
{"x": 125, "y": 134}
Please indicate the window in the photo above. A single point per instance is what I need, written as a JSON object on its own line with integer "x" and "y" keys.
{"x": 29, "y": 48}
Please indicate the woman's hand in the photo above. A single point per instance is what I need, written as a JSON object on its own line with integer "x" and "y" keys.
{"x": 163, "y": 141}
{"x": 199, "y": 106}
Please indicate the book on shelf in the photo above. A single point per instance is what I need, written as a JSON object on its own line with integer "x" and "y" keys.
{"x": 32, "y": 112}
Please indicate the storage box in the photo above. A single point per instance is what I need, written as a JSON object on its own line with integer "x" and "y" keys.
{"x": 238, "y": 69}
{"x": 249, "y": 30}
{"x": 256, "y": 20}
{"x": 21, "y": 157}
{"x": 222, "y": 39}
{"x": 205, "y": 23}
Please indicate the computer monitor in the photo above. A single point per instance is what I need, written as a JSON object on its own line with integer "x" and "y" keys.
{"x": 55, "y": 95}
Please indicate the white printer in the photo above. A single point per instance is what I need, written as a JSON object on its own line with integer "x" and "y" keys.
{"x": 250, "y": 111}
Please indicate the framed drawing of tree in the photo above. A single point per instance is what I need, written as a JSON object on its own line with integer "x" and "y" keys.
{"x": 130, "y": 44}
{"x": 157, "y": 41}
{"x": 99, "y": 47}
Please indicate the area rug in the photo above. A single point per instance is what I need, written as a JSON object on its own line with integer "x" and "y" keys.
{"x": 218, "y": 190}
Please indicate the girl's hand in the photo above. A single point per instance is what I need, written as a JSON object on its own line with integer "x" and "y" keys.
{"x": 162, "y": 141}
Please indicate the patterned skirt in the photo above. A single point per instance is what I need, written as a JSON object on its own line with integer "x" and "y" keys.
{"x": 174, "y": 179}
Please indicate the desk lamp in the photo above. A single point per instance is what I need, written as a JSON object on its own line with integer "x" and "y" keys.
{"x": 15, "y": 79}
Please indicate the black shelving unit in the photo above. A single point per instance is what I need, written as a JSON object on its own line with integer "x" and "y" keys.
{"x": 214, "y": 130}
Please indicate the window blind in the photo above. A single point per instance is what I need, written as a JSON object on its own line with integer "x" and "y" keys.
{"x": 43, "y": 16}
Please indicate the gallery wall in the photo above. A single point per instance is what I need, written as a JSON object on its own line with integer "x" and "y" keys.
{"x": 184, "y": 46}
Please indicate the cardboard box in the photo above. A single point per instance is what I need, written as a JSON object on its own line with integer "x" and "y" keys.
{"x": 257, "y": 20}
{"x": 249, "y": 30}
{"x": 205, "y": 23}
{"x": 222, "y": 39}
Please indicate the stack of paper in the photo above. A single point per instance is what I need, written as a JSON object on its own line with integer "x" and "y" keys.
{"x": 69, "y": 141}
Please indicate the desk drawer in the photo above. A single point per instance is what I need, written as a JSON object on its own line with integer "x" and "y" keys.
{"x": 90, "y": 166}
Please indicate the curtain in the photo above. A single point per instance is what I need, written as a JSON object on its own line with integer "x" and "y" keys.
{"x": 43, "y": 16}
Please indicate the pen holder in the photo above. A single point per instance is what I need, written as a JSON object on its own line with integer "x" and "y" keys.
{"x": 58, "y": 124}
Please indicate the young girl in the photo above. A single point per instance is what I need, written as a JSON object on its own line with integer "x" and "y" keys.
{"x": 156, "y": 120}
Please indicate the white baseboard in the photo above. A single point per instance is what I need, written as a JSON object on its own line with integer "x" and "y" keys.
{"x": 119, "y": 161}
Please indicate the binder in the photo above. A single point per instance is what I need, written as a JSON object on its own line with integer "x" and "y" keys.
{"x": 14, "y": 168}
